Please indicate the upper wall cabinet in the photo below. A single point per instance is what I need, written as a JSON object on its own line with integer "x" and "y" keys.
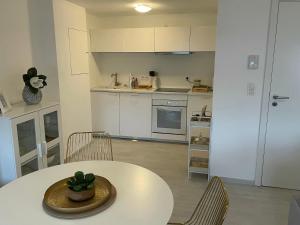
{"x": 172, "y": 39}
{"x": 159, "y": 39}
{"x": 138, "y": 40}
{"x": 203, "y": 39}
{"x": 107, "y": 40}
{"x": 123, "y": 40}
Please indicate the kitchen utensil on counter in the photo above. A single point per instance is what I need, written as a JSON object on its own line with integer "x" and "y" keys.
{"x": 197, "y": 86}
{"x": 154, "y": 80}
{"x": 202, "y": 88}
{"x": 133, "y": 82}
{"x": 145, "y": 82}
{"x": 197, "y": 83}
{"x": 130, "y": 80}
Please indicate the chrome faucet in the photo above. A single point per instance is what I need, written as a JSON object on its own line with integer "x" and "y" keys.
{"x": 115, "y": 76}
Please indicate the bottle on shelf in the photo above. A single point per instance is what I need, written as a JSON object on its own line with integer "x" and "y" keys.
{"x": 130, "y": 80}
{"x": 154, "y": 79}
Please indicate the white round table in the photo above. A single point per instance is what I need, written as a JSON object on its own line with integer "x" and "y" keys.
{"x": 143, "y": 198}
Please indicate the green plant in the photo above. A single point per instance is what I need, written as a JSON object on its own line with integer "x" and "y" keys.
{"x": 81, "y": 182}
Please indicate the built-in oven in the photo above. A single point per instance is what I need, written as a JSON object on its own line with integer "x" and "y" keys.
{"x": 169, "y": 116}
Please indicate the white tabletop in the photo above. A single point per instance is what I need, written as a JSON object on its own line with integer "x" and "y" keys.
{"x": 143, "y": 198}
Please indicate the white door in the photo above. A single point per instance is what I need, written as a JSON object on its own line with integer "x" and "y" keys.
{"x": 282, "y": 149}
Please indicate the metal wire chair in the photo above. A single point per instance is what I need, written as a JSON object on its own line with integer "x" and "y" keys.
{"x": 212, "y": 208}
{"x": 83, "y": 146}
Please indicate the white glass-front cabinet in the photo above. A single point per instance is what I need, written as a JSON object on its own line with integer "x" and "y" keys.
{"x": 30, "y": 140}
{"x": 50, "y": 136}
{"x": 25, "y": 141}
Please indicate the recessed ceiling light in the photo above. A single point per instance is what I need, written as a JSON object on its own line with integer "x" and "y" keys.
{"x": 141, "y": 8}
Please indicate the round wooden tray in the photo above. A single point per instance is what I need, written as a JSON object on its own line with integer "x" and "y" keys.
{"x": 57, "y": 203}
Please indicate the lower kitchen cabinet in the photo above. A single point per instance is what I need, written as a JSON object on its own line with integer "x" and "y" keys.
{"x": 135, "y": 115}
{"x": 105, "y": 112}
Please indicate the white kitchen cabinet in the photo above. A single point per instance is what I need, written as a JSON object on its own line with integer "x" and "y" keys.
{"x": 172, "y": 39}
{"x": 123, "y": 40}
{"x": 138, "y": 40}
{"x": 203, "y": 39}
{"x": 135, "y": 115}
{"x": 106, "y": 112}
{"x": 30, "y": 140}
{"x": 107, "y": 40}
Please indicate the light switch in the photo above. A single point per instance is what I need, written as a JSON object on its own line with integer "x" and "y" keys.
{"x": 253, "y": 62}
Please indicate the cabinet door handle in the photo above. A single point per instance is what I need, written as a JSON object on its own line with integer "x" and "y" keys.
{"x": 39, "y": 150}
{"x": 44, "y": 154}
{"x": 44, "y": 148}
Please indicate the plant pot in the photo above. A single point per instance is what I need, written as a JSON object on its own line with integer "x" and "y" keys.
{"x": 31, "y": 98}
{"x": 80, "y": 196}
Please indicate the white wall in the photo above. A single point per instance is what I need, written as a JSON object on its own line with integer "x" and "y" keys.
{"x": 43, "y": 45}
{"x": 15, "y": 45}
{"x": 26, "y": 40}
{"x": 74, "y": 89}
{"x": 144, "y": 20}
{"x": 172, "y": 69}
{"x": 242, "y": 30}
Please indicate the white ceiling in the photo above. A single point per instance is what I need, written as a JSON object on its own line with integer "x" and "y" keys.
{"x": 125, "y": 7}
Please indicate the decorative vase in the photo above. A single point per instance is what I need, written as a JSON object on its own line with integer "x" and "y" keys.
{"x": 80, "y": 196}
{"x": 31, "y": 98}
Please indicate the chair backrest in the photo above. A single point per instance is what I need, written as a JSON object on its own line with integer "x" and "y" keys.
{"x": 212, "y": 208}
{"x": 83, "y": 146}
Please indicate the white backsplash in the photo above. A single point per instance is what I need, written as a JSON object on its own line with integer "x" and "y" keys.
{"x": 171, "y": 69}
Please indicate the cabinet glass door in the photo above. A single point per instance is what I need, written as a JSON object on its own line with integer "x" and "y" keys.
{"x": 51, "y": 126}
{"x": 30, "y": 166}
{"x": 53, "y": 156}
{"x": 26, "y": 136}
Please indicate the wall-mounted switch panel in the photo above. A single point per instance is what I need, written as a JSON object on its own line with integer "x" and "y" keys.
{"x": 253, "y": 62}
{"x": 250, "y": 89}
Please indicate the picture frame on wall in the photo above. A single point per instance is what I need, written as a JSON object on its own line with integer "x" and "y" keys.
{"x": 5, "y": 106}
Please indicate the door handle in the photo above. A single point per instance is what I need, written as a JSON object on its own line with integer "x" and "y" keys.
{"x": 276, "y": 97}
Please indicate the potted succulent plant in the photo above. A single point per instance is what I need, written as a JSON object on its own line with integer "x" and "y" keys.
{"x": 81, "y": 187}
{"x": 33, "y": 83}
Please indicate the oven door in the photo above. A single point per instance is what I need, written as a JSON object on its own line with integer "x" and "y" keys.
{"x": 169, "y": 120}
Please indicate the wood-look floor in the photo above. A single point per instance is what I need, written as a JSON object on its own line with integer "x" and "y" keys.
{"x": 249, "y": 205}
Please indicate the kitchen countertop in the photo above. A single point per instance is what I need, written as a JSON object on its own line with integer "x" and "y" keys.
{"x": 145, "y": 91}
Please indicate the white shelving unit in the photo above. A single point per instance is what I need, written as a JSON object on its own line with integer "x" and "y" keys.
{"x": 198, "y": 149}
{"x": 30, "y": 140}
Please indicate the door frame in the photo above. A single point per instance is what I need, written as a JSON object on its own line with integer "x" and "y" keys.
{"x": 267, "y": 89}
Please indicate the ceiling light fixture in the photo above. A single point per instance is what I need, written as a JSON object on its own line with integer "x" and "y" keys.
{"x": 141, "y": 8}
